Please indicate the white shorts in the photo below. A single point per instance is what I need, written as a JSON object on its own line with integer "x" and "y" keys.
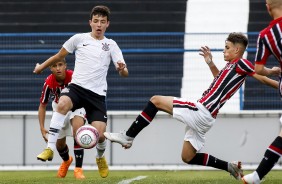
{"x": 197, "y": 118}
{"x": 67, "y": 128}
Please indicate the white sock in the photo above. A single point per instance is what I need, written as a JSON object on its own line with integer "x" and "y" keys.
{"x": 101, "y": 147}
{"x": 256, "y": 177}
{"x": 56, "y": 125}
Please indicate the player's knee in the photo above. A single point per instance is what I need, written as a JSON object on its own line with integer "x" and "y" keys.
{"x": 186, "y": 159}
{"x": 156, "y": 100}
{"x": 64, "y": 106}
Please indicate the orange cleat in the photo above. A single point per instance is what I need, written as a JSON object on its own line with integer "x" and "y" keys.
{"x": 62, "y": 172}
{"x": 78, "y": 173}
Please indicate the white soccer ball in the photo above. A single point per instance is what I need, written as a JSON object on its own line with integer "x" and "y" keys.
{"x": 87, "y": 136}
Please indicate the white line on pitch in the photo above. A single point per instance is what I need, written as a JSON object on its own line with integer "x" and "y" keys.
{"x": 131, "y": 180}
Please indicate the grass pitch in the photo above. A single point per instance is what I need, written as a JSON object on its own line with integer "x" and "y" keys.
{"x": 126, "y": 177}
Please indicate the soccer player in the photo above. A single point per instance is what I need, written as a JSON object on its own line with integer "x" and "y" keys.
{"x": 52, "y": 88}
{"x": 200, "y": 116}
{"x": 269, "y": 43}
{"x": 88, "y": 87}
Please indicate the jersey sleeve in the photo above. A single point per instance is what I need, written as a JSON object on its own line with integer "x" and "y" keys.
{"x": 262, "y": 52}
{"x": 245, "y": 67}
{"x": 116, "y": 54}
{"x": 70, "y": 44}
{"x": 45, "y": 93}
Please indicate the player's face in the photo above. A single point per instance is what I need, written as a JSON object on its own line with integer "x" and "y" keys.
{"x": 98, "y": 25}
{"x": 229, "y": 51}
{"x": 59, "y": 69}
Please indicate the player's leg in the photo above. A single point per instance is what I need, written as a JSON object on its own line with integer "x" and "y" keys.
{"x": 77, "y": 120}
{"x": 56, "y": 124}
{"x": 190, "y": 156}
{"x": 63, "y": 150}
{"x": 100, "y": 148}
{"x": 155, "y": 104}
{"x": 199, "y": 121}
{"x": 271, "y": 156}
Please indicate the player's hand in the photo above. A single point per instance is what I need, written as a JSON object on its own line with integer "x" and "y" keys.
{"x": 206, "y": 53}
{"x": 37, "y": 69}
{"x": 120, "y": 66}
{"x": 45, "y": 133}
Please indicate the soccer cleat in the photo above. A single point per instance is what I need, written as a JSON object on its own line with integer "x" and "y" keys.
{"x": 102, "y": 167}
{"x": 120, "y": 138}
{"x": 251, "y": 178}
{"x": 62, "y": 172}
{"x": 78, "y": 173}
{"x": 235, "y": 169}
{"x": 47, "y": 154}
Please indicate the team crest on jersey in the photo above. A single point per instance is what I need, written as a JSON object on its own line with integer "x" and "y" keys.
{"x": 105, "y": 47}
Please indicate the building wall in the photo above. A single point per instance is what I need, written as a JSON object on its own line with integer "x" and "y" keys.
{"x": 233, "y": 137}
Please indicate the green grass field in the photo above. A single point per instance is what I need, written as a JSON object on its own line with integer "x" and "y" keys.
{"x": 152, "y": 177}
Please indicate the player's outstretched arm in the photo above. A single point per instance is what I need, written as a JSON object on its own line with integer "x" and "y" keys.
{"x": 262, "y": 70}
{"x": 206, "y": 53}
{"x": 267, "y": 81}
{"x": 53, "y": 59}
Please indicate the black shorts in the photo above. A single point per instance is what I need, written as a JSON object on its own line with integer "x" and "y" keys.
{"x": 94, "y": 104}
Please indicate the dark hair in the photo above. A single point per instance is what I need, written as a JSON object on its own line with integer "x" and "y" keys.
{"x": 100, "y": 10}
{"x": 238, "y": 38}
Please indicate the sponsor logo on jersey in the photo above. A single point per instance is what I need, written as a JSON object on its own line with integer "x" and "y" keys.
{"x": 85, "y": 44}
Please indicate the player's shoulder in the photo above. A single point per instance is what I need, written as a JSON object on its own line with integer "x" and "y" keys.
{"x": 49, "y": 79}
{"x": 109, "y": 41}
{"x": 244, "y": 63}
{"x": 80, "y": 36}
{"x": 69, "y": 72}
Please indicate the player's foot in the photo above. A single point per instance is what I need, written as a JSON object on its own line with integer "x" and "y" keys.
{"x": 120, "y": 138}
{"x": 252, "y": 178}
{"x": 62, "y": 172}
{"x": 235, "y": 169}
{"x": 102, "y": 167}
{"x": 47, "y": 154}
{"x": 78, "y": 173}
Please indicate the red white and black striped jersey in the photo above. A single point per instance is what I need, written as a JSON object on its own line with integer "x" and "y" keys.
{"x": 52, "y": 89}
{"x": 269, "y": 42}
{"x": 225, "y": 84}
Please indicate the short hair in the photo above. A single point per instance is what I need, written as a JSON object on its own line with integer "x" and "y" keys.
{"x": 274, "y": 3}
{"x": 239, "y": 38}
{"x": 100, "y": 10}
{"x": 62, "y": 60}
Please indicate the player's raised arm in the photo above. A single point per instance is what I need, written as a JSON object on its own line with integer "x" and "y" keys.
{"x": 206, "y": 53}
{"x": 53, "y": 59}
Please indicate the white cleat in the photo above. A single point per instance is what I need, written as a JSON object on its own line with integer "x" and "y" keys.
{"x": 235, "y": 169}
{"x": 120, "y": 138}
{"x": 251, "y": 178}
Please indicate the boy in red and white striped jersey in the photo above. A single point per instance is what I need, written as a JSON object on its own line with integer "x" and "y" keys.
{"x": 199, "y": 117}
{"x": 269, "y": 43}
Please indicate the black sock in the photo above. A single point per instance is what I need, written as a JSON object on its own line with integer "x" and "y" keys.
{"x": 271, "y": 156}
{"x": 79, "y": 154}
{"x": 64, "y": 153}
{"x": 205, "y": 159}
{"x": 143, "y": 120}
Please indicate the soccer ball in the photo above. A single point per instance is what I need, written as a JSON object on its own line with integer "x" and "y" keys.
{"x": 87, "y": 136}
